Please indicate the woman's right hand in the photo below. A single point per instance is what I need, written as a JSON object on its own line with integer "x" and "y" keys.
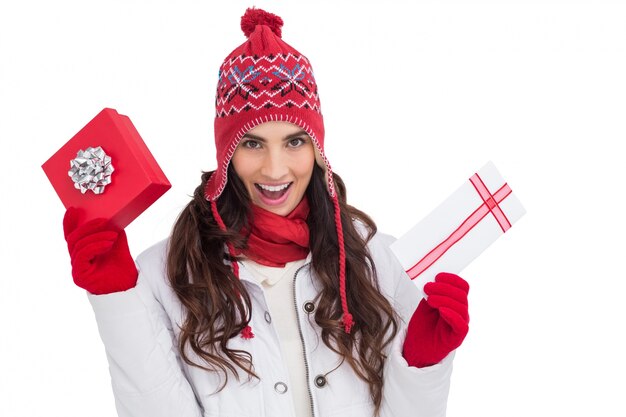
{"x": 101, "y": 259}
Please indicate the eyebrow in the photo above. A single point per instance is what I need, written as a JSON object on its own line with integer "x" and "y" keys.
{"x": 288, "y": 137}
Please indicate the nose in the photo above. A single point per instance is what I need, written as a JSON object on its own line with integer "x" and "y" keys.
{"x": 275, "y": 165}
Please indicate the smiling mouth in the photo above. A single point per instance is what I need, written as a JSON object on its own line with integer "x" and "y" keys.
{"x": 273, "y": 192}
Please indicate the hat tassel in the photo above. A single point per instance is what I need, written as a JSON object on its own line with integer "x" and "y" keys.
{"x": 348, "y": 321}
{"x": 246, "y": 333}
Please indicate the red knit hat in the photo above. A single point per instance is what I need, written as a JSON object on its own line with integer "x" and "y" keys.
{"x": 262, "y": 80}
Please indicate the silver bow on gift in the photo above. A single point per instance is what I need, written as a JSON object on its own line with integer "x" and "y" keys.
{"x": 91, "y": 170}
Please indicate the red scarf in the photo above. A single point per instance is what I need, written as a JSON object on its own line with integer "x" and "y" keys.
{"x": 275, "y": 240}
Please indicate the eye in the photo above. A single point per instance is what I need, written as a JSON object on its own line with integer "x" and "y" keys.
{"x": 251, "y": 144}
{"x": 296, "y": 142}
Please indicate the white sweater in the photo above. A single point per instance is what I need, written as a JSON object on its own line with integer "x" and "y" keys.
{"x": 277, "y": 284}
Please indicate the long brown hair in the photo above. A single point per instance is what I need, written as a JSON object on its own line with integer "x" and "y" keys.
{"x": 218, "y": 305}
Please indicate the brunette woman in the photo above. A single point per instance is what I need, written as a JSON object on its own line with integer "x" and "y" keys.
{"x": 272, "y": 296}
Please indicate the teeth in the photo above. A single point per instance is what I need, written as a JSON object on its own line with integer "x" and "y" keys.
{"x": 273, "y": 187}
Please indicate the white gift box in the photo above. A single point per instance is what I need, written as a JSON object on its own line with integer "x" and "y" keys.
{"x": 460, "y": 228}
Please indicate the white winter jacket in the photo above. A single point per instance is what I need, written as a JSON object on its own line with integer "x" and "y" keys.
{"x": 139, "y": 328}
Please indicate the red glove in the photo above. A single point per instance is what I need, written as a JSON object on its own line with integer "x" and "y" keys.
{"x": 439, "y": 323}
{"x": 101, "y": 260}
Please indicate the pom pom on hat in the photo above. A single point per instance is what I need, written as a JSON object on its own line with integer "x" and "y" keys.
{"x": 254, "y": 17}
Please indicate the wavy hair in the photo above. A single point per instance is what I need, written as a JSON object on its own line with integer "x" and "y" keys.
{"x": 216, "y": 302}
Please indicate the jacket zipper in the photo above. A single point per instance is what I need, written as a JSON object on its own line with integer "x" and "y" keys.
{"x": 306, "y": 362}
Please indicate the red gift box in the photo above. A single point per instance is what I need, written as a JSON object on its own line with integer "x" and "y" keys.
{"x": 136, "y": 182}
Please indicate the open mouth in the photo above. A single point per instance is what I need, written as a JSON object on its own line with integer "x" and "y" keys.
{"x": 273, "y": 192}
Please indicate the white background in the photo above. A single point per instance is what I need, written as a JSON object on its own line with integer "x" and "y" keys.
{"x": 416, "y": 97}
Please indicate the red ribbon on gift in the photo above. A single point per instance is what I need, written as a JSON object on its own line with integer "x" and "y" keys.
{"x": 490, "y": 205}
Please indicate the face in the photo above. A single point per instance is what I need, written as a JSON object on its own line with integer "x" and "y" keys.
{"x": 275, "y": 162}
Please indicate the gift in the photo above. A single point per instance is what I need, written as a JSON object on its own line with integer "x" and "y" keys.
{"x": 107, "y": 170}
{"x": 460, "y": 228}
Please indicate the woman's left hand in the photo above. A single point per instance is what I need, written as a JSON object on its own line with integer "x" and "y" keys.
{"x": 440, "y": 322}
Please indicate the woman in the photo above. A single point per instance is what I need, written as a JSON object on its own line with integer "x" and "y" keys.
{"x": 272, "y": 296}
